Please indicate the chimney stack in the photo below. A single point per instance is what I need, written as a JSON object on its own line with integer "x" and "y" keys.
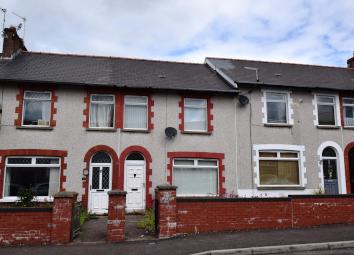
{"x": 12, "y": 43}
{"x": 350, "y": 62}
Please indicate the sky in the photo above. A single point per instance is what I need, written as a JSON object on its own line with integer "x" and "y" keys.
{"x": 299, "y": 31}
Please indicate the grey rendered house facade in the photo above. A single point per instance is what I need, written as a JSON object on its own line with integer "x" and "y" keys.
{"x": 90, "y": 124}
{"x": 295, "y": 136}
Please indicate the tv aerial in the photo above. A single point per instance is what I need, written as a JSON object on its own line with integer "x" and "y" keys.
{"x": 3, "y": 20}
{"x": 20, "y": 25}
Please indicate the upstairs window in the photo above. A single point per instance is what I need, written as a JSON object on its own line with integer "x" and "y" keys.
{"x": 277, "y": 107}
{"x": 136, "y": 112}
{"x": 195, "y": 115}
{"x": 36, "y": 108}
{"x": 326, "y": 110}
{"x": 102, "y": 111}
{"x": 348, "y": 111}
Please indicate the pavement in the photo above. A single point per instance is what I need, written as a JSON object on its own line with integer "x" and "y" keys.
{"x": 191, "y": 244}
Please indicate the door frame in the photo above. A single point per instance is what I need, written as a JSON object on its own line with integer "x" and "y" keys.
{"x": 347, "y": 150}
{"x": 137, "y": 162}
{"x": 92, "y": 165}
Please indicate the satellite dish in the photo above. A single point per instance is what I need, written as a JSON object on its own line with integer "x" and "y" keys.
{"x": 170, "y": 132}
{"x": 243, "y": 100}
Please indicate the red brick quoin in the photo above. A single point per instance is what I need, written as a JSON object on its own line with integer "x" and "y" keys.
{"x": 19, "y": 98}
{"x": 148, "y": 161}
{"x": 207, "y": 155}
{"x": 115, "y": 167}
{"x": 209, "y": 113}
{"x": 33, "y": 152}
{"x": 347, "y": 166}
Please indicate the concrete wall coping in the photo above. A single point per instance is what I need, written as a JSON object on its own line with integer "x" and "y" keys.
{"x": 166, "y": 187}
{"x": 117, "y": 192}
{"x": 65, "y": 194}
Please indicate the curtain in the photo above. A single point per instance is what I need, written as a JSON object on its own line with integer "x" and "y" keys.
{"x": 135, "y": 116}
{"x": 35, "y": 111}
{"x": 7, "y": 182}
{"x": 53, "y": 181}
{"x": 283, "y": 172}
{"x": 195, "y": 119}
{"x": 195, "y": 181}
{"x": 101, "y": 115}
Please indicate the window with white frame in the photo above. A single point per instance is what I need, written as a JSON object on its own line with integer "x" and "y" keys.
{"x": 195, "y": 114}
{"x": 102, "y": 111}
{"x": 348, "y": 111}
{"x": 279, "y": 168}
{"x": 326, "y": 110}
{"x": 40, "y": 174}
{"x": 277, "y": 107}
{"x": 36, "y": 108}
{"x": 136, "y": 112}
{"x": 195, "y": 177}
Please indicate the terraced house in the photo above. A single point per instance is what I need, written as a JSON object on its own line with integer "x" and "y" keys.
{"x": 223, "y": 128}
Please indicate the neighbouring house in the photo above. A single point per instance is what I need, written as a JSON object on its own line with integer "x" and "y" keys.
{"x": 223, "y": 128}
{"x": 296, "y": 134}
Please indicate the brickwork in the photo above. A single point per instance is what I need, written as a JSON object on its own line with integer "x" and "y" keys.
{"x": 116, "y": 216}
{"x": 167, "y": 208}
{"x": 198, "y": 215}
{"x": 30, "y": 226}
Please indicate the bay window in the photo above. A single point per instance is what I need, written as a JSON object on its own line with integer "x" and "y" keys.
{"x": 195, "y": 114}
{"x": 348, "y": 111}
{"x": 195, "y": 177}
{"x": 279, "y": 168}
{"x": 136, "y": 112}
{"x": 36, "y": 108}
{"x": 102, "y": 111}
{"x": 40, "y": 174}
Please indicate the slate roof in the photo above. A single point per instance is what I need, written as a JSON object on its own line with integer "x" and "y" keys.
{"x": 285, "y": 74}
{"x": 111, "y": 71}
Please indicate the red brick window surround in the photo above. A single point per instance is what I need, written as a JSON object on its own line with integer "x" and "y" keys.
{"x": 150, "y": 113}
{"x": 119, "y": 108}
{"x": 87, "y": 102}
{"x": 33, "y": 152}
{"x": 198, "y": 155}
{"x": 209, "y": 115}
{"x": 20, "y": 98}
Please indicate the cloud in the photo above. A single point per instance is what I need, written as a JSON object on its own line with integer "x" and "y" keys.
{"x": 315, "y": 32}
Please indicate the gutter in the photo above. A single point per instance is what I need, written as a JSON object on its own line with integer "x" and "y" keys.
{"x": 221, "y": 73}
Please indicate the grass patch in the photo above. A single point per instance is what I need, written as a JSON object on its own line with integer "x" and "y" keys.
{"x": 148, "y": 222}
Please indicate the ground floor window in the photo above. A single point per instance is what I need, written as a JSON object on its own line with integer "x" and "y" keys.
{"x": 279, "y": 168}
{"x": 40, "y": 174}
{"x": 195, "y": 177}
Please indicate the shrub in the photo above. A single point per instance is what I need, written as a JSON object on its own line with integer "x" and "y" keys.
{"x": 26, "y": 199}
{"x": 148, "y": 222}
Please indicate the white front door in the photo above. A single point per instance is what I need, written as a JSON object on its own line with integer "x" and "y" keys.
{"x": 100, "y": 184}
{"x": 135, "y": 184}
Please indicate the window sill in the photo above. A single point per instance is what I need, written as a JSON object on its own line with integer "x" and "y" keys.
{"x": 281, "y": 188}
{"x": 35, "y": 128}
{"x": 136, "y": 130}
{"x": 102, "y": 129}
{"x": 37, "y": 199}
{"x": 327, "y": 127}
{"x": 196, "y": 133}
{"x": 348, "y": 127}
{"x": 278, "y": 125}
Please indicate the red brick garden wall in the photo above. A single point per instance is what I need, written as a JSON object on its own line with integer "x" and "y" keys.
{"x": 25, "y": 226}
{"x": 197, "y": 215}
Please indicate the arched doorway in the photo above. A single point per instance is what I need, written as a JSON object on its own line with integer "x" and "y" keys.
{"x": 100, "y": 182}
{"x": 134, "y": 181}
{"x": 351, "y": 170}
{"x": 330, "y": 172}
